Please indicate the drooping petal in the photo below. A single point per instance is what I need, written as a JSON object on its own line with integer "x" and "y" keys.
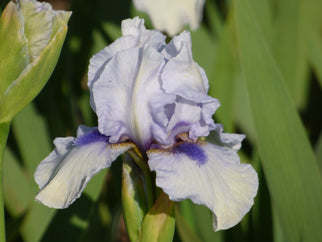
{"x": 63, "y": 175}
{"x": 171, "y": 16}
{"x": 207, "y": 174}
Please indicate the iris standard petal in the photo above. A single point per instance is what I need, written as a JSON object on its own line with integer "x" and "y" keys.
{"x": 99, "y": 60}
{"x": 124, "y": 93}
{"x": 182, "y": 75}
{"x": 207, "y": 174}
{"x": 63, "y": 175}
{"x": 134, "y": 35}
{"x": 135, "y": 27}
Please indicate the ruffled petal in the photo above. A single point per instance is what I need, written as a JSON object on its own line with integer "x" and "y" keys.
{"x": 171, "y": 16}
{"x": 184, "y": 78}
{"x": 124, "y": 93}
{"x": 99, "y": 60}
{"x": 182, "y": 75}
{"x": 134, "y": 35}
{"x": 229, "y": 140}
{"x": 135, "y": 27}
{"x": 63, "y": 175}
{"x": 207, "y": 174}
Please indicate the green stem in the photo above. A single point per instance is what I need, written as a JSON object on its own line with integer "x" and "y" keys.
{"x": 4, "y": 131}
{"x": 147, "y": 175}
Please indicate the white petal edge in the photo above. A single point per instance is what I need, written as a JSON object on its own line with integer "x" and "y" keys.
{"x": 63, "y": 175}
{"x": 223, "y": 184}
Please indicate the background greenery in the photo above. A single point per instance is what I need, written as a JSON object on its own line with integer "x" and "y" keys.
{"x": 264, "y": 63}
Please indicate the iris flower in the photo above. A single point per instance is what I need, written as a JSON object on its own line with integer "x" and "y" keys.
{"x": 151, "y": 97}
{"x": 171, "y": 16}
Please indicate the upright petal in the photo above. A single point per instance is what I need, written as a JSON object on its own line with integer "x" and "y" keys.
{"x": 63, "y": 175}
{"x": 135, "y": 27}
{"x": 123, "y": 93}
{"x": 207, "y": 174}
{"x": 183, "y": 77}
{"x": 134, "y": 35}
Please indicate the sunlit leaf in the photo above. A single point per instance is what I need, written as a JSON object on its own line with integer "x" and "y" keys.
{"x": 289, "y": 48}
{"x": 289, "y": 164}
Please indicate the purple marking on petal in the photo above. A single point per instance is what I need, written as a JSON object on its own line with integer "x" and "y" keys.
{"x": 180, "y": 124}
{"x": 91, "y": 137}
{"x": 180, "y": 127}
{"x": 193, "y": 151}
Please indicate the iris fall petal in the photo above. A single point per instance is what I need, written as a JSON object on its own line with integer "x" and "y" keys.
{"x": 207, "y": 174}
{"x": 63, "y": 175}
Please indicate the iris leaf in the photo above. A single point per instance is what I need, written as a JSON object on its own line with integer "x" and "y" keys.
{"x": 289, "y": 48}
{"x": 185, "y": 232}
{"x": 17, "y": 191}
{"x": 288, "y": 161}
{"x": 32, "y": 137}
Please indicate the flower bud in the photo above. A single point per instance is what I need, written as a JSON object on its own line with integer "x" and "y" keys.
{"x": 159, "y": 222}
{"x": 133, "y": 197}
{"x": 31, "y": 37}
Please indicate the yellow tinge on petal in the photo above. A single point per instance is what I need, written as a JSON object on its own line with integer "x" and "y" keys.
{"x": 13, "y": 44}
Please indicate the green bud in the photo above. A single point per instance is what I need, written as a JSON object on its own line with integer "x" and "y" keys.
{"x": 31, "y": 37}
{"x": 159, "y": 223}
{"x": 133, "y": 197}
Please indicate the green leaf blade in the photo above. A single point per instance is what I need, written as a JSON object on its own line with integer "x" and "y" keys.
{"x": 288, "y": 160}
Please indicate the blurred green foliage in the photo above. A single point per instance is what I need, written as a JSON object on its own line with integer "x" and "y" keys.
{"x": 263, "y": 61}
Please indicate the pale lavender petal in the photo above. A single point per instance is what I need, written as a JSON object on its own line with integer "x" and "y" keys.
{"x": 181, "y": 74}
{"x": 63, "y": 175}
{"x": 124, "y": 93}
{"x": 184, "y": 78}
{"x": 229, "y": 140}
{"x": 99, "y": 60}
{"x": 207, "y": 174}
{"x": 134, "y": 35}
{"x": 135, "y": 27}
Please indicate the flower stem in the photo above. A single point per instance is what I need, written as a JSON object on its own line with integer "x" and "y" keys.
{"x": 4, "y": 131}
{"x": 147, "y": 175}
